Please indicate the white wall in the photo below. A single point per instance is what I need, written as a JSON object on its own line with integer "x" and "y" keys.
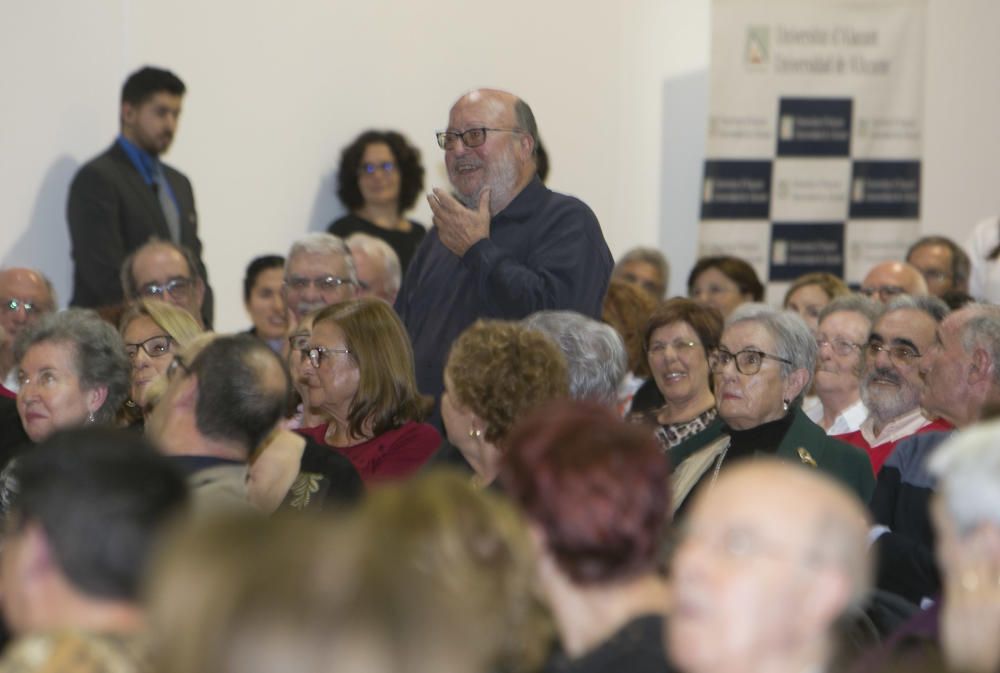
{"x": 276, "y": 89}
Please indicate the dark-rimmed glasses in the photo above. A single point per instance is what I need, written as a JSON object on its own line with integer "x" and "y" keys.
{"x": 901, "y": 354}
{"x": 316, "y": 354}
{"x": 748, "y": 361}
{"x": 179, "y": 288}
{"x": 154, "y": 347}
{"x": 470, "y": 137}
{"x": 321, "y": 283}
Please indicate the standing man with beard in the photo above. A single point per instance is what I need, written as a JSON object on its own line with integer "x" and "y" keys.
{"x": 504, "y": 246}
{"x": 892, "y": 383}
{"x": 126, "y": 195}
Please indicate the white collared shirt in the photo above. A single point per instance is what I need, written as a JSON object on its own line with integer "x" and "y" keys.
{"x": 849, "y": 420}
{"x": 904, "y": 426}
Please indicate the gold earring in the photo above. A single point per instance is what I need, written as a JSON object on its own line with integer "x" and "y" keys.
{"x": 475, "y": 433}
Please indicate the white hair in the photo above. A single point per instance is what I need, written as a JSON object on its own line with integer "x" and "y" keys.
{"x": 967, "y": 467}
{"x": 594, "y": 352}
{"x": 376, "y": 248}
{"x": 319, "y": 243}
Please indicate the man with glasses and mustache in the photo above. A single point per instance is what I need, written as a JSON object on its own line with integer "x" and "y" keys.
{"x": 126, "y": 196}
{"x": 892, "y": 383}
{"x": 503, "y": 245}
{"x": 165, "y": 271}
{"x": 319, "y": 271}
{"x": 26, "y": 295}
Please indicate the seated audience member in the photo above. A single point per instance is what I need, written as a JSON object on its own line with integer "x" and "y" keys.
{"x": 309, "y": 412}
{"x": 809, "y": 293}
{"x": 646, "y": 268}
{"x": 770, "y": 561}
{"x": 967, "y": 526}
{"x": 164, "y": 270}
{"x": 627, "y": 309}
{"x": 943, "y": 264}
{"x": 892, "y": 383}
{"x": 888, "y": 280}
{"x": 762, "y": 367}
{"x": 153, "y": 331}
{"x": 264, "y": 300}
{"x": 842, "y": 338}
{"x": 90, "y": 507}
{"x": 377, "y": 265}
{"x": 379, "y": 179}
{"x": 429, "y": 576}
{"x": 496, "y": 373}
{"x": 595, "y": 492}
{"x": 71, "y": 369}
{"x": 724, "y": 283}
{"x": 319, "y": 271}
{"x": 364, "y": 362}
{"x": 223, "y": 398}
{"x": 961, "y": 379}
{"x": 678, "y": 339}
{"x": 27, "y": 295}
{"x": 595, "y": 355}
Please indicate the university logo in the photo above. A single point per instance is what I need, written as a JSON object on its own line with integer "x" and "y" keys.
{"x": 758, "y": 46}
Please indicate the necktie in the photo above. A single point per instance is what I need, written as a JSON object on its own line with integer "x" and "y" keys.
{"x": 167, "y": 203}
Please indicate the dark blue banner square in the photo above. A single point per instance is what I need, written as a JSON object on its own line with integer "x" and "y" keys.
{"x": 736, "y": 190}
{"x": 885, "y": 189}
{"x": 798, "y": 248}
{"x": 814, "y": 127}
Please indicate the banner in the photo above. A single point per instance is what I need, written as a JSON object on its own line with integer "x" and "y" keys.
{"x": 814, "y": 135}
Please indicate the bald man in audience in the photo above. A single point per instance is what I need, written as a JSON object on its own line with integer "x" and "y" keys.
{"x": 962, "y": 379}
{"x": 888, "y": 280}
{"x": 759, "y": 585}
{"x": 165, "y": 271}
{"x": 902, "y": 339}
{"x": 26, "y": 295}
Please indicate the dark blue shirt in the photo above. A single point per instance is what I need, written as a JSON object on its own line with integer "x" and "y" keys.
{"x": 545, "y": 252}
{"x": 145, "y": 163}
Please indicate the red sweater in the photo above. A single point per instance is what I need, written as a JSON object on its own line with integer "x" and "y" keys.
{"x": 392, "y": 455}
{"x": 878, "y": 454}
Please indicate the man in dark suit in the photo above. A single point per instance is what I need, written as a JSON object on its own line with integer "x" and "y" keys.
{"x": 126, "y": 195}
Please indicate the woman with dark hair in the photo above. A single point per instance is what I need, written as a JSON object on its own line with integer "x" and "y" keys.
{"x": 379, "y": 179}
{"x": 264, "y": 302}
{"x": 724, "y": 283}
{"x": 595, "y": 492}
{"x": 364, "y": 363}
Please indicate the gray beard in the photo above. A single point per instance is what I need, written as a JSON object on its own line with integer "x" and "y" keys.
{"x": 887, "y": 406}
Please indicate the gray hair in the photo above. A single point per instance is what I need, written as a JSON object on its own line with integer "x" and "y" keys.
{"x": 982, "y": 330}
{"x": 930, "y": 305}
{"x": 377, "y": 248}
{"x": 98, "y": 353}
{"x": 854, "y": 303}
{"x": 650, "y": 256}
{"x": 129, "y": 287}
{"x": 525, "y": 120}
{"x": 967, "y": 467}
{"x": 320, "y": 243}
{"x": 793, "y": 340}
{"x": 595, "y": 354}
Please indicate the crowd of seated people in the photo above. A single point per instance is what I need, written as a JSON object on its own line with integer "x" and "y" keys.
{"x": 612, "y": 480}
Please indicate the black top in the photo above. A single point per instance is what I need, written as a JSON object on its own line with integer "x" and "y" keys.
{"x": 403, "y": 242}
{"x": 764, "y": 438}
{"x": 637, "y": 647}
{"x": 13, "y": 438}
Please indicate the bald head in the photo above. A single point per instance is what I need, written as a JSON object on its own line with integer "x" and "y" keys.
{"x": 504, "y": 162}
{"x": 758, "y": 581}
{"x": 25, "y": 295}
{"x": 889, "y": 279}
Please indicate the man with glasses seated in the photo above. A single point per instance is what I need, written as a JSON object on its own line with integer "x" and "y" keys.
{"x": 892, "y": 383}
{"x": 26, "y": 295}
{"x": 888, "y": 280}
{"x": 165, "y": 271}
{"x": 319, "y": 271}
{"x": 504, "y": 246}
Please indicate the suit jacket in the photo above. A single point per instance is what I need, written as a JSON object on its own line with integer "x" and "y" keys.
{"x": 112, "y": 211}
{"x": 848, "y": 464}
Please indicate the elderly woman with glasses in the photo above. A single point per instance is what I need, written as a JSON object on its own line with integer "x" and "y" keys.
{"x": 763, "y": 365}
{"x": 364, "y": 362}
{"x": 380, "y": 178}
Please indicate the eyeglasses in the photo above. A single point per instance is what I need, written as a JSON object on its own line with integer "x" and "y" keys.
{"x": 13, "y": 304}
{"x": 935, "y": 275}
{"x": 901, "y": 355}
{"x": 317, "y": 353}
{"x": 322, "y": 283}
{"x": 178, "y": 288}
{"x": 839, "y": 346}
{"x": 448, "y": 140}
{"x": 748, "y": 361}
{"x": 387, "y": 167}
{"x": 885, "y": 292}
{"x": 680, "y": 346}
{"x": 154, "y": 347}
{"x": 175, "y": 365}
